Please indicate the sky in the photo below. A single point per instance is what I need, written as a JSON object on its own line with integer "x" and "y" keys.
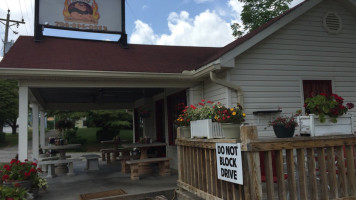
{"x": 161, "y": 22}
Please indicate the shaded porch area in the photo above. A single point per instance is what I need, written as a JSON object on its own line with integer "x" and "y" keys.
{"x": 109, "y": 177}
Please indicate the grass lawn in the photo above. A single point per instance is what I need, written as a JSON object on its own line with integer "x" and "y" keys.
{"x": 12, "y": 140}
{"x": 90, "y": 135}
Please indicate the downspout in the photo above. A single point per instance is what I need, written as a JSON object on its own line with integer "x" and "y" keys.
{"x": 229, "y": 85}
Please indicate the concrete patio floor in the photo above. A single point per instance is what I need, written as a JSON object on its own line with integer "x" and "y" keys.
{"x": 109, "y": 177}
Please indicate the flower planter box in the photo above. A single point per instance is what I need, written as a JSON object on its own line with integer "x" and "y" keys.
{"x": 231, "y": 131}
{"x": 311, "y": 125}
{"x": 205, "y": 129}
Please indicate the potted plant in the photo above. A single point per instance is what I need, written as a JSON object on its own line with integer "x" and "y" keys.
{"x": 284, "y": 126}
{"x": 326, "y": 115}
{"x": 207, "y": 118}
{"x": 183, "y": 121}
{"x": 230, "y": 119}
{"x": 21, "y": 174}
{"x": 16, "y": 192}
{"x": 324, "y": 105}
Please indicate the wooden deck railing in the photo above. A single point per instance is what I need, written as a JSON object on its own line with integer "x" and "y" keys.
{"x": 292, "y": 168}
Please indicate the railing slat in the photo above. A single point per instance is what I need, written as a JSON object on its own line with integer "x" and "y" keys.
{"x": 214, "y": 176}
{"x": 342, "y": 188}
{"x": 292, "y": 187}
{"x": 208, "y": 173}
{"x": 280, "y": 175}
{"x": 269, "y": 174}
{"x": 301, "y": 174}
{"x": 322, "y": 174}
{"x": 312, "y": 184}
{"x": 246, "y": 177}
{"x": 255, "y": 175}
{"x": 331, "y": 172}
{"x": 350, "y": 169}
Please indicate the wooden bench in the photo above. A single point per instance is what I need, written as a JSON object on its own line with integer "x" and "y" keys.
{"x": 92, "y": 161}
{"x": 163, "y": 163}
{"x": 52, "y": 163}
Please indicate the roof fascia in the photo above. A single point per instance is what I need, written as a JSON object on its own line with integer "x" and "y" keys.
{"x": 226, "y": 58}
{"x": 85, "y": 74}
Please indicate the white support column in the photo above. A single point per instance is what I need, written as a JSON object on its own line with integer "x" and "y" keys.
{"x": 35, "y": 133}
{"x": 42, "y": 129}
{"x": 23, "y": 121}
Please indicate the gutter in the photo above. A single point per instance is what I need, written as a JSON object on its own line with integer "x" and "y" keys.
{"x": 229, "y": 85}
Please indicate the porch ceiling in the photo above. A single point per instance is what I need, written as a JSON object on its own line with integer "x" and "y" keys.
{"x": 91, "y": 98}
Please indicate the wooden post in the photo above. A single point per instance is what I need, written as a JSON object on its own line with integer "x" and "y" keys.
{"x": 248, "y": 134}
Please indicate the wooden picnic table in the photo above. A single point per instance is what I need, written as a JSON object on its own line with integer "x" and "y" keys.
{"x": 145, "y": 168}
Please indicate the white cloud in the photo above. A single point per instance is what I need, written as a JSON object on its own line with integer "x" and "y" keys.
{"x": 205, "y": 29}
{"x": 143, "y": 34}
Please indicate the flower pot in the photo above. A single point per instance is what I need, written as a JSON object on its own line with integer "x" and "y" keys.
{"x": 205, "y": 129}
{"x": 312, "y": 125}
{"x": 231, "y": 130}
{"x": 283, "y": 132}
{"x": 185, "y": 131}
{"x": 24, "y": 184}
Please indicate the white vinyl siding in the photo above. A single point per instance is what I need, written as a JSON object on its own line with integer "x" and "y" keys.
{"x": 271, "y": 72}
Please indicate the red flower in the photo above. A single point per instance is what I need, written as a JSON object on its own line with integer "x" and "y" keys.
{"x": 201, "y": 104}
{"x": 350, "y": 105}
{"x": 27, "y": 174}
{"x": 34, "y": 164}
{"x": 193, "y": 107}
{"x": 5, "y": 177}
{"x": 203, "y": 100}
{"x": 32, "y": 170}
{"x": 210, "y": 102}
{"x": 13, "y": 161}
{"x": 9, "y": 198}
{"x": 17, "y": 185}
{"x": 323, "y": 94}
{"x": 7, "y": 167}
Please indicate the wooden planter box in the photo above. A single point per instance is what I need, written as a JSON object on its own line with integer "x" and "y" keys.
{"x": 205, "y": 129}
{"x": 311, "y": 125}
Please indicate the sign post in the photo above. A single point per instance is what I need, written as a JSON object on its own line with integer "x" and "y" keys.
{"x": 229, "y": 162}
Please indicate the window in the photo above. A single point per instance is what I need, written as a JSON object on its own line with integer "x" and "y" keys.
{"x": 315, "y": 87}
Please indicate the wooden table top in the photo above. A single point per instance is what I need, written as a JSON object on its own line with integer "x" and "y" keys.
{"x": 59, "y": 147}
{"x": 140, "y": 145}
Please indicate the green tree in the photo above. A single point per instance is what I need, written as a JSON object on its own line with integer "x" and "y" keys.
{"x": 255, "y": 13}
{"x": 9, "y": 104}
{"x": 110, "y": 121}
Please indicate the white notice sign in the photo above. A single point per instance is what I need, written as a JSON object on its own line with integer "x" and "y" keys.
{"x": 229, "y": 162}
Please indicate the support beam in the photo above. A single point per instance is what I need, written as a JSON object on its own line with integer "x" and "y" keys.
{"x": 42, "y": 128}
{"x": 23, "y": 119}
{"x": 35, "y": 132}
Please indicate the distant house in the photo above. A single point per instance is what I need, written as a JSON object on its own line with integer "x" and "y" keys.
{"x": 272, "y": 68}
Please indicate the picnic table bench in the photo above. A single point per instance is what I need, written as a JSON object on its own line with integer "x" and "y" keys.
{"x": 163, "y": 163}
{"x": 41, "y": 159}
{"x": 92, "y": 161}
{"x": 110, "y": 155}
{"x": 52, "y": 163}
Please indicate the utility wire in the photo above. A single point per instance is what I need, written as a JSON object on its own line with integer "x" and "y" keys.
{"x": 22, "y": 16}
{"x": 28, "y": 18}
{"x": 128, "y": 5}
